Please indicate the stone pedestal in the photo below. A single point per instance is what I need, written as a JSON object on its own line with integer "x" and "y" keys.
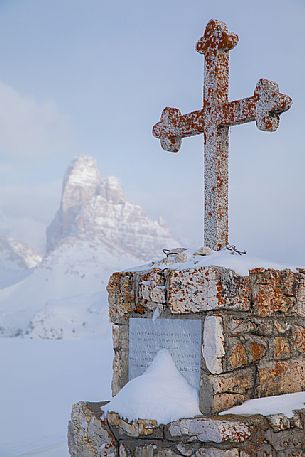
{"x": 250, "y": 343}
{"x": 253, "y": 327}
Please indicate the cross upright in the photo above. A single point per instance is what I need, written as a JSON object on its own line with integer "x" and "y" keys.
{"x": 214, "y": 120}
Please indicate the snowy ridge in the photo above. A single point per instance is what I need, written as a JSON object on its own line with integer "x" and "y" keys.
{"x": 16, "y": 261}
{"x": 64, "y": 294}
{"x": 28, "y": 255}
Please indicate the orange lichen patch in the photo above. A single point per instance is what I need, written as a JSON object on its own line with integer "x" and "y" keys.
{"x": 272, "y": 291}
{"x": 121, "y": 295}
{"x": 257, "y": 350}
{"x": 238, "y": 356}
{"x": 219, "y": 292}
{"x": 139, "y": 309}
{"x": 275, "y": 378}
{"x": 277, "y": 370}
{"x": 216, "y": 37}
{"x": 281, "y": 347}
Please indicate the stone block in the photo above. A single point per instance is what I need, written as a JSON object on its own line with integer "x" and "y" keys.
{"x": 286, "y": 440}
{"x": 300, "y": 293}
{"x": 222, "y": 402}
{"x": 279, "y": 422}
{"x": 273, "y": 291}
{"x": 236, "y": 354}
{"x": 281, "y": 326}
{"x": 256, "y": 349}
{"x": 213, "y": 344}
{"x": 214, "y": 452}
{"x": 136, "y": 429}
{"x": 119, "y": 370}
{"x": 151, "y": 287}
{"x": 280, "y": 377}
{"x": 208, "y": 430}
{"x": 298, "y": 338}
{"x": 207, "y": 288}
{"x": 88, "y": 435}
{"x": 152, "y": 450}
{"x": 247, "y": 325}
{"x": 120, "y": 336}
{"x": 226, "y": 390}
{"x": 121, "y": 296}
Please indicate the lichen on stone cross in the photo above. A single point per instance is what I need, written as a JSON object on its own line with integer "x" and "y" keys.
{"x": 214, "y": 120}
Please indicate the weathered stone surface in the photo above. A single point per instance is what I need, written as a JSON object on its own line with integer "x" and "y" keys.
{"x": 209, "y": 430}
{"x": 248, "y": 325}
{"x": 279, "y": 377}
{"x": 300, "y": 293}
{"x": 281, "y": 347}
{"x": 279, "y": 422}
{"x": 237, "y": 356}
{"x": 239, "y": 382}
{"x": 214, "y": 452}
{"x": 136, "y": 429}
{"x": 88, "y": 435}
{"x": 120, "y": 359}
{"x": 273, "y": 291}
{"x": 213, "y": 344}
{"x": 207, "y": 288}
{"x": 224, "y": 401}
{"x": 121, "y": 296}
{"x": 135, "y": 292}
{"x": 119, "y": 370}
{"x": 256, "y": 350}
{"x": 151, "y": 287}
{"x": 120, "y": 336}
{"x": 281, "y": 327}
{"x": 298, "y": 338}
{"x": 157, "y": 451}
{"x": 287, "y": 441}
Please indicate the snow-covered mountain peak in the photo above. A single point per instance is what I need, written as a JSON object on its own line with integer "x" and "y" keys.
{"x": 94, "y": 208}
{"x": 81, "y": 183}
{"x": 113, "y": 190}
{"x": 82, "y": 171}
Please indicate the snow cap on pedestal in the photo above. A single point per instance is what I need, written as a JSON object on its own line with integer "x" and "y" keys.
{"x": 160, "y": 393}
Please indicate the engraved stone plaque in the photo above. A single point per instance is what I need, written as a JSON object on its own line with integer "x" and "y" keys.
{"x": 182, "y": 337}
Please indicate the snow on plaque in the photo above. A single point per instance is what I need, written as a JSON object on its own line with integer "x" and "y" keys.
{"x": 182, "y": 337}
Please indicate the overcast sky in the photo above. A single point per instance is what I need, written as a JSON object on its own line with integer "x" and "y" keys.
{"x": 92, "y": 76}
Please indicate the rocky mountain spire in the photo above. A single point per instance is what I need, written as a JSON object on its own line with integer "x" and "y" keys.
{"x": 96, "y": 209}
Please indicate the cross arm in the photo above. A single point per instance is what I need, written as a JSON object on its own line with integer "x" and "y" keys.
{"x": 264, "y": 107}
{"x": 174, "y": 126}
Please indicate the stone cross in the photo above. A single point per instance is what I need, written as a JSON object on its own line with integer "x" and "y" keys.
{"x": 214, "y": 120}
